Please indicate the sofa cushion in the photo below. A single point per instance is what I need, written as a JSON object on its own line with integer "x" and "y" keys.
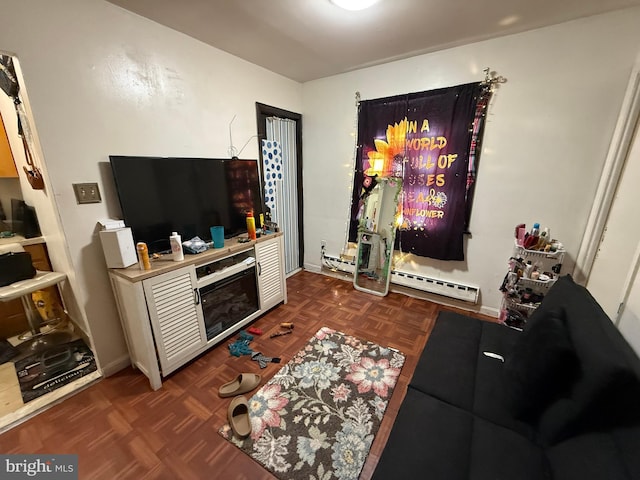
{"x": 454, "y": 368}
{"x": 541, "y": 367}
{"x": 435, "y": 440}
{"x": 429, "y": 439}
{"x": 447, "y": 366}
{"x": 490, "y": 399}
{"x": 498, "y": 453}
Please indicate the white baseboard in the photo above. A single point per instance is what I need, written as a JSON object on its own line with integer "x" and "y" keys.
{"x": 439, "y": 299}
{"x": 312, "y": 268}
{"x": 442, "y": 300}
{"x": 114, "y": 367}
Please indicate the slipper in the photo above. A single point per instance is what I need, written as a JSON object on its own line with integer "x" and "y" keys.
{"x": 238, "y": 416}
{"x": 245, "y": 382}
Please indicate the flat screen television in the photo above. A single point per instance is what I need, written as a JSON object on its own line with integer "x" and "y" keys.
{"x": 185, "y": 195}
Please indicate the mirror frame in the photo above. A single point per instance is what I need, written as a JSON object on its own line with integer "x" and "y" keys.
{"x": 376, "y": 237}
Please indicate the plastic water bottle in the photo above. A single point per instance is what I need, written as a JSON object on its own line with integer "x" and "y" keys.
{"x": 176, "y": 247}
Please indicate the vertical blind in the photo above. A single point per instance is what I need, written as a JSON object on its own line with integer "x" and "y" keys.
{"x": 283, "y": 131}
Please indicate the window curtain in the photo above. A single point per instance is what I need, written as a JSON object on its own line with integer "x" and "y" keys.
{"x": 281, "y": 171}
{"x": 429, "y": 139}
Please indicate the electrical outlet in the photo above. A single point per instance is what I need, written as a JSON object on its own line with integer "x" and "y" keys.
{"x": 87, "y": 193}
{"x": 323, "y": 244}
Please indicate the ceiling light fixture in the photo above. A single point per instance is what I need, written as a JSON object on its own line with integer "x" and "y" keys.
{"x": 354, "y": 4}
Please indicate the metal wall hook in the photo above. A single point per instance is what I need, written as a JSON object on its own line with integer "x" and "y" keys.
{"x": 491, "y": 78}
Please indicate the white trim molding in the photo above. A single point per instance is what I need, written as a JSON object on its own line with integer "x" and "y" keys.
{"x": 616, "y": 157}
{"x": 628, "y": 284}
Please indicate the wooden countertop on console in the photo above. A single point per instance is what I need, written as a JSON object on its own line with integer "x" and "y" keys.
{"x": 166, "y": 264}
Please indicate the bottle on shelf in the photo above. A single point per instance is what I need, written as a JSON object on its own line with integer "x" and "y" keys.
{"x": 535, "y": 230}
{"x": 528, "y": 269}
{"x": 520, "y": 233}
{"x": 535, "y": 272}
{"x": 251, "y": 225}
{"x": 143, "y": 256}
{"x": 543, "y": 240}
{"x": 176, "y": 247}
{"x": 532, "y": 237}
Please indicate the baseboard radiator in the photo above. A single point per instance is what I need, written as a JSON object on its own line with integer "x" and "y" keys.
{"x": 458, "y": 291}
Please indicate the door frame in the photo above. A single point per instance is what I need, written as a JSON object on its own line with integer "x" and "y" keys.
{"x": 264, "y": 111}
{"x": 616, "y": 157}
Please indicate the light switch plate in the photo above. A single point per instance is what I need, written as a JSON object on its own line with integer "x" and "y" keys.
{"x": 87, "y": 192}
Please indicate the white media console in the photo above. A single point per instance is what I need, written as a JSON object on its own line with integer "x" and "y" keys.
{"x": 177, "y": 310}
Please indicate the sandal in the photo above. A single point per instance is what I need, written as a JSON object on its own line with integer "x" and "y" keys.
{"x": 238, "y": 416}
{"x": 243, "y": 383}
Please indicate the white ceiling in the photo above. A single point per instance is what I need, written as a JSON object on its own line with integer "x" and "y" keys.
{"x": 309, "y": 39}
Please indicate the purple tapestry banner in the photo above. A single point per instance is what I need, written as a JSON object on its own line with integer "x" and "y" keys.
{"x": 425, "y": 138}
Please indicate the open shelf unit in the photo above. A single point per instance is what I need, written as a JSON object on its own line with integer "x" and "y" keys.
{"x": 522, "y": 295}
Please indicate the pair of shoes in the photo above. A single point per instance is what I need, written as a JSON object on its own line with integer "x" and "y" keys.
{"x": 238, "y": 416}
{"x": 243, "y": 383}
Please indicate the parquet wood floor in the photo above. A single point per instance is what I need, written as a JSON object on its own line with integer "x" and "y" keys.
{"x": 121, "y": 429}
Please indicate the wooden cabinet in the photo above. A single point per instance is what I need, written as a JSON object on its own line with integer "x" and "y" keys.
{"x": 163, "y": 311}
{"x": 271, "y": 282}
{"x": 176, "y": 316}
{"x": 7, "y": 164}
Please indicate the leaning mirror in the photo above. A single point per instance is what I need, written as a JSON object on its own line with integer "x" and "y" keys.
{"x": 376, "y": 236}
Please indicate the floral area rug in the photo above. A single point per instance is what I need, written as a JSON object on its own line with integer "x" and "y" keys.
{"x": 317, "y": 417}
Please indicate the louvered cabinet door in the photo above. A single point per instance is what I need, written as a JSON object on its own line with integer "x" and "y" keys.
{"x": 270, "y": 269}
{"x": 176, "y": 317}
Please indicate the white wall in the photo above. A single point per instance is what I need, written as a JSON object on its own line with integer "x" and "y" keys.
{"x": 103, "y": 81}
{"x": 545, "y": 141}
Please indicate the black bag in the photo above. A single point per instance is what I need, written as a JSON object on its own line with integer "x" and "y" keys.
{"x": 15, "y": 266}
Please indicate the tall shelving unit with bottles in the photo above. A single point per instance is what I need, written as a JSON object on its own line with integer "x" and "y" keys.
{"x": 522, "y": 294}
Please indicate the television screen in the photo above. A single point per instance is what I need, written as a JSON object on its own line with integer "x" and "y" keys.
{"x": 185, "y": 195}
